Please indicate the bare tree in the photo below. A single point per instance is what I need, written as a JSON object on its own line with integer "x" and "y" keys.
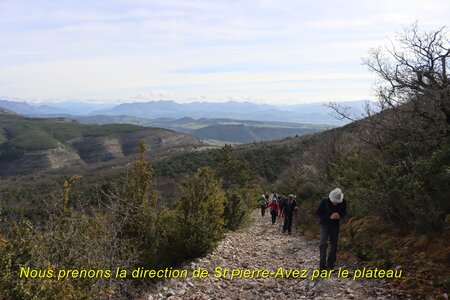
{"x": 413, "y": 89}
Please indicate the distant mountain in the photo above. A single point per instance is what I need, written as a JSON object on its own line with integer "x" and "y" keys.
{"x": 241, "y": 133}
{"x": 18, "y": 107}
{"x": 171, "y": 109}
{"x": 25, "y": 108}
{"x": 356, "y": 108}
{"x": 79, "y": 108}
{"x": 316, "y": 113}
{"x": 73, "y": 108}
{"x": 312, "y": 113}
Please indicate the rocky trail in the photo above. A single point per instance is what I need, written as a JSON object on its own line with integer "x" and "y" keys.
{"x": 263, "y": 246}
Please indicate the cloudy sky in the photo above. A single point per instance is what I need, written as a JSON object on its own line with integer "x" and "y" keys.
{"x": 271, "y": 51}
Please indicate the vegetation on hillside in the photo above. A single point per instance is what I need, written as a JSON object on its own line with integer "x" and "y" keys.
{"x": 392, "y": 166}
{"x": 127, "y": 228}
{"x": 19, "y": 134}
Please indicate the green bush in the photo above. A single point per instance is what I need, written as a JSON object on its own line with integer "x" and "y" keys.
{"x": 136, "y": 212}
{"x": 168, "y": 238}
{"x": 235, "y": 210}
{"x": 200, "y": 213}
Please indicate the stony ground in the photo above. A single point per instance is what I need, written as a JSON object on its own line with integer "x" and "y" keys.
{"x": 263, "y": 246}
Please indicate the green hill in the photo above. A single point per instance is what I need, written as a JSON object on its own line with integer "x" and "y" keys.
{"x": 36, "y": 144}
{"x": 219, "y": 129}
{"x": 37, "y": 133}
{"x": 241, "y": 133}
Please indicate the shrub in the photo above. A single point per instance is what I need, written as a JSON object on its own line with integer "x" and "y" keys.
{"x": 200, "y": 213}
{"x": 235, "y": 210}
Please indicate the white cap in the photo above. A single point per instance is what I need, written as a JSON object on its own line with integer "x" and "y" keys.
{"x": 336, "y": 195}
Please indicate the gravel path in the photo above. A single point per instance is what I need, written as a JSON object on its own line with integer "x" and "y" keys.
{"x": 263, "y": 246}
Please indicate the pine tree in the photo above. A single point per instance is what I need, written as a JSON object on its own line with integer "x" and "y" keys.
{"x": 235, "y": 210}
{"x": 200, "y": 213}
{"x": 233, "y": 169}
{"x": 137, "y": 208}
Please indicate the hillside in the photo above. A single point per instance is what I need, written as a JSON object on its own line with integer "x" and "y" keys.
{"x": 241, "y": 133}
{"x": 396, "y": 183}
{"x": 309, "y": 166}
{"x": 36, "y": 144}
{"x": 220, "y": 129}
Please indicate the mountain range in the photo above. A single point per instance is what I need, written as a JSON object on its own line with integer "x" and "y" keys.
{"x": 311, "y": 113}
{"x": 230, "y": 122}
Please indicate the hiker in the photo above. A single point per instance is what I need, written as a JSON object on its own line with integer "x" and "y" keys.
{"x": 274, "y": 209}
{"x": 262, "y": 203}
{"x": 281, "y": 203}
{"x": 288, "y": 210}
{"x": 331, "y": 210}
{"x": 272, "y": 196}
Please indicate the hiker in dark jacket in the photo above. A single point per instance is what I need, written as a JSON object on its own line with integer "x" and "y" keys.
{"x": 281, "y": 203}
{"x": 274, "y": 209}
{"x": 289, "y": 206}
{"x": 331, "y": 210}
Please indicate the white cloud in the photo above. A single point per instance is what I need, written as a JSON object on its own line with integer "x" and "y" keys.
{"x": 257, "y": 49}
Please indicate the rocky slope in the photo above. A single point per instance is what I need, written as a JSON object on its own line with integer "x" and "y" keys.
{"x": 91, "y": 150}
{"x": 40, "y": 160}
{"x": 29, "y": 145}
{"x": 263, "y": 246}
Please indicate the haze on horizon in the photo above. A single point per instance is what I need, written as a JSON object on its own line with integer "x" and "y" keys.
{"x": 263, "y": 51}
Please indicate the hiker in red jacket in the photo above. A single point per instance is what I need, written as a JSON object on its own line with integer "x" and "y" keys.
{"x": 274, "y": 209}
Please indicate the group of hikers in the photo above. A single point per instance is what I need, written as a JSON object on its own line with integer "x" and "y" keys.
{"x": 279, "y": 206}
{"x": 330, "y": 211}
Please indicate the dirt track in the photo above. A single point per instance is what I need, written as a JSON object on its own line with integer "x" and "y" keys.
{"x": 262, "y": 246}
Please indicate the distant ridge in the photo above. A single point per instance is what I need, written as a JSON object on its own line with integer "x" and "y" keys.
{"x": 311, "y": 113}
{"x": 241, "y": 133}
{"x": 220, "y": 129}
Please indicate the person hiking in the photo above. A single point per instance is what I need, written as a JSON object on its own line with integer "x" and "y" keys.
{"x": 331, "y": 210}
{"x": 288, "y": 210}
{"x": 262, "y": 202}
{"x": 281, "y": 204}
{"x": 274, "y": 209}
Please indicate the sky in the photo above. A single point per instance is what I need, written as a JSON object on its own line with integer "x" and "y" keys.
{"x": 264, "y": 51}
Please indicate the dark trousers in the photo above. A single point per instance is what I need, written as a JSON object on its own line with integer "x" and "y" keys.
{"x": 287, "y": 225}
{"x": 328, "y": 232}
{"x": 263, "y": 210}
{"x": 273, "y": 213}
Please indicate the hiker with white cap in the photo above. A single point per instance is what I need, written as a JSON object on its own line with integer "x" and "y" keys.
{"x": 331, "y": 210}
{"x": 262, "y": 203}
